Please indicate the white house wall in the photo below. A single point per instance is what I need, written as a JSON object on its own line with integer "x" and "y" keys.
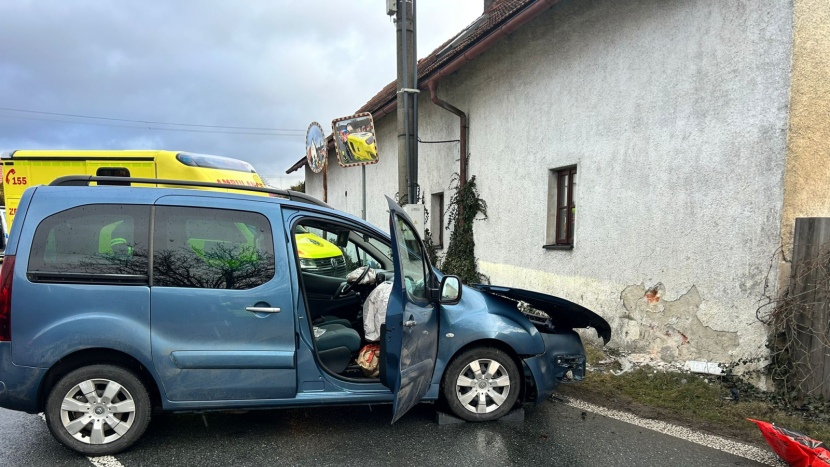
{"x": 675, "y": 113}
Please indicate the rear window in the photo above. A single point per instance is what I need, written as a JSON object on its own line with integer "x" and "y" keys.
{"x": 214, "y": 162}
{"x": 211, "y": 248}
{"x": 97, "y": 239}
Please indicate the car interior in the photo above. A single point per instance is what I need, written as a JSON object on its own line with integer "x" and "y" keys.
{"x": 340, "y": 268}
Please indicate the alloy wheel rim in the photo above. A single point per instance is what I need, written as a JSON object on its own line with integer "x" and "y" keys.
{"x": 97, "y": 411}
{"x": 482, "y": 386}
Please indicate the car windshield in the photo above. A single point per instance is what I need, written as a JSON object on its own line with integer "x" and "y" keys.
{"x": 383, "y": 249}
{"x": 214, "y": 162}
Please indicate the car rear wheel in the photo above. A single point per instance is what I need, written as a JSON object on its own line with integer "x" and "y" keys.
{"x": 98, "y": 410}
{"x": 481, "y": 384}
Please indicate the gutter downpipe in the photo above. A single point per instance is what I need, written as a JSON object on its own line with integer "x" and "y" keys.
{"x": 433, "y": 94}
{"x": 507, "y": 28}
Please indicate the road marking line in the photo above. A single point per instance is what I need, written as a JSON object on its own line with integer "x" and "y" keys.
{"x": 711, "y": 441}
{"x": 105, "y": 461}
{"x": 100, "y": 461}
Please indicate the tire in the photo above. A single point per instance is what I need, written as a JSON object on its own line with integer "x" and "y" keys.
{"x": 97, "y": 414}
{"x": 462, "y": 386}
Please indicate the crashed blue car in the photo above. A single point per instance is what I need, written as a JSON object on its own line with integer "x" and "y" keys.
{"x": 117, "y": 301}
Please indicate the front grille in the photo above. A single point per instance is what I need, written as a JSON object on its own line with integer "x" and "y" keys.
{"x": 334, "y": 267}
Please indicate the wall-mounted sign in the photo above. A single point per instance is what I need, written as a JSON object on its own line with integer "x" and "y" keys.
{"x": 315, "y": 147}
{"x": 354, "y": 138}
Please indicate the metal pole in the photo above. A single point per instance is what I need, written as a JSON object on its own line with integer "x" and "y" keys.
{"x": 326, "y": 182}
{"x": 414, "y": 154}
{"x": 407, "y": 143}
{"x": 363, "y": 208}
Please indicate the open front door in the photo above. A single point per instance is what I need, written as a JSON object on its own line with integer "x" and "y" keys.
{"x": 411, "y": 339}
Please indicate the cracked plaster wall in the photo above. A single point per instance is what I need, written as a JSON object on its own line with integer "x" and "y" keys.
{"x": 675, "y": 113}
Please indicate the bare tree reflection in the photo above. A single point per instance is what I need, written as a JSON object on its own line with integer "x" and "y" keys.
{"x": 220, "y": 267}
{"x": 134, "y": 263}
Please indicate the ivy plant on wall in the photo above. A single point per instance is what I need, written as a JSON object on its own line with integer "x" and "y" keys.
{"x": 465, "y": 207}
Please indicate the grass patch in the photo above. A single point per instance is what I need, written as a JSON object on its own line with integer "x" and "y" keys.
{"x": 686, "y": 399}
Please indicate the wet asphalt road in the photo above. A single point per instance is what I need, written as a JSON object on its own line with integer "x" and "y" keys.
{"x": 552, "y": 434}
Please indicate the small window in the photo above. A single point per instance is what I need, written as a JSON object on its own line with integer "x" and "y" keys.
{"x": 561, "y": 207}
{"x": 113, "y": 172}
{"x": 98, "y": 239}
{"x": 436, "y": 220}
{"x": 211, "y": 248}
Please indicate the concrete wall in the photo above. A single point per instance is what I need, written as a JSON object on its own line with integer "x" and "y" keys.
{"x": 675, "y": 113}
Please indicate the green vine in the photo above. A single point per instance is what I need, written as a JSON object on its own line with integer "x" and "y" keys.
{"x": 432, "y": 252}
{"x": 465, "y": 207}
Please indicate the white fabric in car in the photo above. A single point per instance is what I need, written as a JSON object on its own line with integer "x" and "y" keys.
{"x": 374, "y": 311}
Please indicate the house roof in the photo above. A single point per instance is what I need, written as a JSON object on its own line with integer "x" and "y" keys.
{"x": 497, "y": 14}
{"x": 500, "y": 11}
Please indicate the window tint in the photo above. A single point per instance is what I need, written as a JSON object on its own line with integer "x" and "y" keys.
{"x": 411, "y": 257}
{"x": 94, "y": 239}
{"x": 113, "y": 172}
{"x": 211, "y": 248}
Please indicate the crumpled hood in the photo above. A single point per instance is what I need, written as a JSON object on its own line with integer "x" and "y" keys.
{"x": 563, "y": 313}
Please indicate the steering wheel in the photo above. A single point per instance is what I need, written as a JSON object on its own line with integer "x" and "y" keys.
{"x": 348, "y": 288}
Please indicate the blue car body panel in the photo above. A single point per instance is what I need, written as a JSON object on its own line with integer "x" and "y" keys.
{"x": 478, "y": 318}
{"x": 206, "y": 346}
{"x": 411, "y": 340}
{"x": 205, "y": 351}
{"x": 546, "y": 369}
{"x": 18, "y": 384}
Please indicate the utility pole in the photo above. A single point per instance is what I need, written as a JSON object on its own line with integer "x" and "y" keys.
{"x": 407, "y": 86}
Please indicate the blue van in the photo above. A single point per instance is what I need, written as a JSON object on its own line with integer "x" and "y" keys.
{"x": 118, "y": 301}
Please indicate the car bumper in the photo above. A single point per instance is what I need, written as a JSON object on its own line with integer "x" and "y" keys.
{"x": 18, "y": 384}
{"x": 563, "y": 361}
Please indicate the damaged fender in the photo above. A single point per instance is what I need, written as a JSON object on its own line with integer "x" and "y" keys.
{"x": 563, "y": 314}
{"x": 564, "y": 355}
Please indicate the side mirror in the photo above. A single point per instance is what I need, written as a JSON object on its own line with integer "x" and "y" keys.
{"x": 450, "y": 290}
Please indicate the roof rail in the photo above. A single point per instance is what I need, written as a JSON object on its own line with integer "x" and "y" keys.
{"x": 84, "y": 180}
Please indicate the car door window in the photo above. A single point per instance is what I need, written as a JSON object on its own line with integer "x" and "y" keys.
{"x": 357, "y": 257}
{"x": 99, "y": 239}
{"x": 211, "y": 248}
{"x": 412, "y": 264}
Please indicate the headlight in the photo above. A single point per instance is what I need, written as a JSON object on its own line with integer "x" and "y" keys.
{"x": 370, "y": 140}
{"x": 307, "y": 264}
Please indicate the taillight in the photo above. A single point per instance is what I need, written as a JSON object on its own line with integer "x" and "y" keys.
{"x": 6, "y": 276}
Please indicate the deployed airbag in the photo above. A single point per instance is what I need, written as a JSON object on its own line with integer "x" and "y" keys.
{"x": 374, "y": 311}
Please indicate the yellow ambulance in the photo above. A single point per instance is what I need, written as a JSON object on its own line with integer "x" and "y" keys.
{"x": 22, "y": 169}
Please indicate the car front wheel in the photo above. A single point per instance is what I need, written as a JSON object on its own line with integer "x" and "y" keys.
{"x": 481, "y": 384}
{"x": 98, "y": 410}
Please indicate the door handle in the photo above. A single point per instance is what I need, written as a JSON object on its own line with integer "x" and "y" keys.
{"x": 410, "y": 323}
{"x": 262, "y": 309}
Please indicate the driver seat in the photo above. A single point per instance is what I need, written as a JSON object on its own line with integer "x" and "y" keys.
{"x": 324, "y": 320}
{"x": 336, "y": 346}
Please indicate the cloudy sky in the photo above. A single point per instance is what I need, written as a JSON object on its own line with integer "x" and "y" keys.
{"x": 254, "y": 63}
